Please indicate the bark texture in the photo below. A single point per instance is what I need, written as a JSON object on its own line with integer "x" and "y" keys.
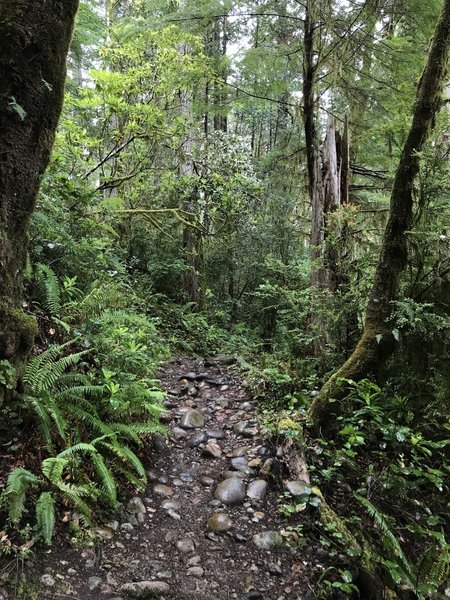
{"x": 34, "y": 41}
{"x": 369, "y": 353}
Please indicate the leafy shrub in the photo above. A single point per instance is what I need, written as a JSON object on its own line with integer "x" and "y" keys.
{"x": 395, "y": 464}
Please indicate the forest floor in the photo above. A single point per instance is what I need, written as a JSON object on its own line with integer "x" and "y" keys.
{"x": 207, "y": 527}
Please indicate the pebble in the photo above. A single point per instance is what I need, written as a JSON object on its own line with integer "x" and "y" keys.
{"x": 197, "y": 439}
{"x": 170, "y": 504}
{"x": 94, "y": 583}
{"x": 212, "y": 449}
{"x": 136, "y": 506}
{"x": 163, "y": 490}
{"x": 207, "y": 481}
{"x": 192, "y": 419}
{"x": 179, "y": 433}
{"x": 185, "y": 545}
{"x": 267, "y": 539}
{"x": 275, "y": 569}
{"x": 145, "y": 589}
{"x": 104, "y": 533}
{"x": 239, "y": 463}
{"x": 219, "y": 522}
{"x": 196, "y": 571}
{"x": 191, "y": 376}
{"x": 47, "y": 580}
{"x": 164, "y": 574}
{"x": 194, "y": 561}
{"x": 230, "y": 491}
{"x": 240, "y": 427}
{"x": 216, "y": 434}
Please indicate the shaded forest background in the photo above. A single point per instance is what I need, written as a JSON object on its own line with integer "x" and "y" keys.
{"x": 221, "y": 182}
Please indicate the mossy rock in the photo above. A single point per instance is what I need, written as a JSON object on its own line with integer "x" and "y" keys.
{"x": 17, "y": 332}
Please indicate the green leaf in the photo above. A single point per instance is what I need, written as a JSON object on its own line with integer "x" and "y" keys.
{"x": 17, "y": 108}
{"x": 45, "y": 516}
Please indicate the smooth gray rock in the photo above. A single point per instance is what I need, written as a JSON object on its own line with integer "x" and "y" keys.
{"x": 179, "y": 433}
{"x": 240, "y": 427}
{"x": 197, "y": 439}
{"x": 298, "y": 488}
{"x": 212, "y": 449}
{"x": 239, "y": 463}
{"x": 216, "y": 434}
{"x": 196, "y": 571}
{"x": 94, "y": 583}
{"x": 185, "y": 545}
{"x": 190, "y": 376}
{"x": 220, "y": 522}
{"x": 47, "y": 580}
{"x": 192, "y": 419}
{"x": 257, "y": 489}
{"x": 267, "y": 539}
{"x": 170, "y": 505}
{"x": 145, "y": 589}
{"x": 163, "y": 490}
{"x": 136, "y": 507}
{"x": 230, "y": 491}
{"x": 207, "y": 481}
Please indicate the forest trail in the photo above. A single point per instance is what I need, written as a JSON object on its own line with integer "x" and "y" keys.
{"x": 177, "y": 540}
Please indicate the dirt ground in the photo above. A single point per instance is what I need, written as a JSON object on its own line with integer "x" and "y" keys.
{"x": 177, "y": 540}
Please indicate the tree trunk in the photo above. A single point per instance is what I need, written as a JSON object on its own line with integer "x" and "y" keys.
{"x": 34, "y": 41}
{"x": 192, "y": 242}
{"x": 372, "y": 349}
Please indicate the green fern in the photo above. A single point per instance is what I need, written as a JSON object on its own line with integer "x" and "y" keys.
{"x": 45, "y": 516}
{"x": 19, "y": 482}
{"x": 390, "y": 541}
{"x": 433, "y": 568}
{"x": 44, "y": 372}
{"x": 53, "y": 468}
{"x": 49, "y": 289}
{"x": 107, "y": 479}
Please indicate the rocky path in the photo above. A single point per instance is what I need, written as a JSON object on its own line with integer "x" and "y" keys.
{"x": 207, "y": 527}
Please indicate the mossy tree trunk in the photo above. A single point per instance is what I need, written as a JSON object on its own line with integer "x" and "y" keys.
{"x": 34, "y": 41}
{"x": 372, "y": 350}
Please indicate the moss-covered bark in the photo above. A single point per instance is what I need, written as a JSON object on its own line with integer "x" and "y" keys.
{"x": 393, "y": 256}
{"x": 34, "y": 41}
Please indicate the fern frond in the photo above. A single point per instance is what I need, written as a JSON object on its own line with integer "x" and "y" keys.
{"x": 53, "y": 468}
{"x": 107, "y": 479}
{"x": 44, "y": 371}
{"x": 19, "y": 481}
{"x": 433, "y": 569}
{"x": 43, "y": 419}
{"x": 45, "y": 516}
{"x": 75, "y": 494}
{"x": 80, "y": 391}
{"x": 129, "y": 476}
{"x": 390, "y": 542}
{"x": 125, "y": 452}
{"x": 81, "y": 447}
{"x": 49, "y": 287}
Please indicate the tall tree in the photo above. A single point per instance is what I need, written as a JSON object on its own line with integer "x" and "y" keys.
{"x": 34, "y": 41}
{"x": 377, "y": 340}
